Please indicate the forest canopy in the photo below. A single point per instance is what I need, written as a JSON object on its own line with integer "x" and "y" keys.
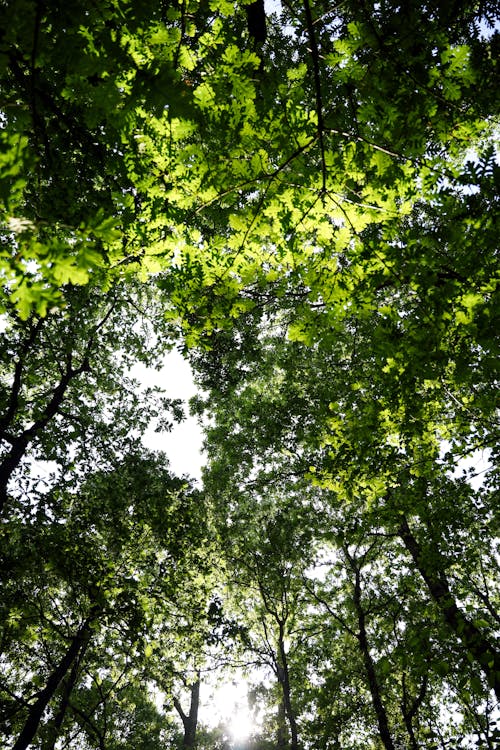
{"x": 302, "y": 197}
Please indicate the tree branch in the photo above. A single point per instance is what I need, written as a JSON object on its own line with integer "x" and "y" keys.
{"x": 317, "y": 86}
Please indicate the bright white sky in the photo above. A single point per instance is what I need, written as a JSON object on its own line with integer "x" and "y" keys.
{"x": 183, "y": 445}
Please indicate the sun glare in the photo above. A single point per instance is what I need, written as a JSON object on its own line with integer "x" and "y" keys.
{"x": 229, "y": 706}
{"x": 240, "y": 723}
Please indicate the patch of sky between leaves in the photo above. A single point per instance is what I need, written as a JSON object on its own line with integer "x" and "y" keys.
{"x": 472, "y": 467}
{"x": 488, "y": 29}
{"x": 183, "y": 445}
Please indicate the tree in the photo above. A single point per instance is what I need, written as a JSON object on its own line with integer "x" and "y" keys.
{"x": 233, "y": 162}
{"x": 312, "y": 192}
{"x": 266, "y": 429}
{"x": 66, "y": 395}
{"x": 107, "y": 565}
{"x": 263, "y": 581}
{"x": 190, "y": 720}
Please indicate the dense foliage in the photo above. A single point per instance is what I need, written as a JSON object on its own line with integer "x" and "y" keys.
{"x": 303, "y": 197}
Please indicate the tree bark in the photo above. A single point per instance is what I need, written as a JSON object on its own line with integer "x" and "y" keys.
{"x": 68, "y": 686}
{"x": 9, "y": 465}
{"x": 284, "y": 680}
{"x": 256, "y": 21}
{"x": 281, "y": 735}
{"x": 20, "y": 443}
{"x": 382, "y": 721}
{"x": 476, "y": 643}
{"x": 190, "y": 720}
{"x": 76, "y": 647}
{"x": 410, "y": 712}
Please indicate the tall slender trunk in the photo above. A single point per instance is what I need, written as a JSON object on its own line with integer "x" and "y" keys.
{"x": 476, "y": 643}
{"x": 68, "y": 686}
{"x": 409, "y": 711}
{"x": 284, "y": 680}
{"x": 77, "y": 645}
{"x": 382, "y": 721}
{"x": 190, "y": 720}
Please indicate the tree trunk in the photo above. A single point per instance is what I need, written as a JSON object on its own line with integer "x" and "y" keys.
{"x": 68, "y": 686}
{"x": 20, "y": 443}
{"x": 383, "y": 723}
{"x": 77, "y": 646}
{"x": 476, "y": 643}
{"x": 52, "y": 407}
{"x": 284, "y": 680}
{"x": 9, "y": 465}
{"x": 281, "y": 735}
{"x": 190, "y": 720}
{"x": 410, "y": 711}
